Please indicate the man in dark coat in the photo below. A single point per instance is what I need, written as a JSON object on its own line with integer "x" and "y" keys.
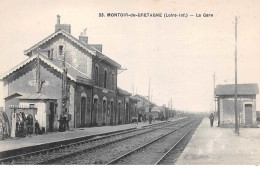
{"x": 211, "y": 118}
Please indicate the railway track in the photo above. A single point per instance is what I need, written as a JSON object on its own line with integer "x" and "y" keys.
{"x": 84, "y": 150}
{"x": 166, "y": 158}
{"x": 146, "y": 153}
{"x": 50, "y": 155}
{"x": 103, "y": 155}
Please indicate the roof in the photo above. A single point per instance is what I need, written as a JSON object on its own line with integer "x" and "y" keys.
{"x": 123, "y": 92}
{"x": 143, "y": 98}
{"x": 13, "y": 96}
{"x": 73, "y": 73}
{"x": 133, "y": 98}
{"x": 242, "y": 89}
{"x": 36, "y": 96}
{"x": 90, "y": 49}
{"x": 156, "y": 109}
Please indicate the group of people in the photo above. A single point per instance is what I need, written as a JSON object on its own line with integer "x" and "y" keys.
{"x": 24, "y": 125}
{"x": 21, "y": 127}
{"x": 143, "y": 118}
{"x": 4, "y": 125}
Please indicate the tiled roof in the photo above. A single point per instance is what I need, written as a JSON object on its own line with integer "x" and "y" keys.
{"x": 36, "y": 96}
{"x": 144, "y": 98}
{"x": 123, "y": 92}
{"x": 242, "y": 89}
{"x": 17, "y": 94}
{"x": 86, "y": 47}
{"x": 133, "y": 98}
{"x": 73, "y": 73}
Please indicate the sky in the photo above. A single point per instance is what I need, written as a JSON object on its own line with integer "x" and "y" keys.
{"x": 179, "y": 55}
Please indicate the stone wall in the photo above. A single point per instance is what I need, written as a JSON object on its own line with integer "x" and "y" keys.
{"x": 227, "y": 108}
{"x": 74, "y": 55}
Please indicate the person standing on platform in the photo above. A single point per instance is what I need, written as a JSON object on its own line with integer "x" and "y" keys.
{"x": 150, "y": 118}
{"x": 211, "y": 118}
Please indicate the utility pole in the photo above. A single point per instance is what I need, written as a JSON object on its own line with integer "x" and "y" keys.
{"x": 236, "y": 119}
{"x": 171, "y": 107}
{"x": 38, "y": 78}
{"x": 65, "y": 117}
{"x": 133, "y": 90}
{"x": 149, "y": 88}
{"x": 214, "y": 86}
{"x": 151, "y": 95}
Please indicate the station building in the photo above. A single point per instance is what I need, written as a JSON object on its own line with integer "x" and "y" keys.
{"x": 246, "y": 104}
{"x": 144, "y": 106}
{"x": 91, "y": 79}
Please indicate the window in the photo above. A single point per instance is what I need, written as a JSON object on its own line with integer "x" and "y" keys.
{"x": 60, "y": 49}
{"x": 49, "y": 54}
{"x": 31, "y": 105}
{"x": 105, "y": 79}
{"x": 113, "y": 81}
{"x": 96, "y": 74}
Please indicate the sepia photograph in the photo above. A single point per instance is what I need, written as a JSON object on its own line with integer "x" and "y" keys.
{"x": 145, "y": 82}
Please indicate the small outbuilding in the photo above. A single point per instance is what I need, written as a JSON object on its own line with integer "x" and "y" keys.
{"x": 246, "y": 104}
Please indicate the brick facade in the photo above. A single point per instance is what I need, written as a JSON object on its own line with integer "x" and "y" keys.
{"x": 92, "y": 78}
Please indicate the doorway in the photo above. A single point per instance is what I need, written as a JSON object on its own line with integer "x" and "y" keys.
{"x": 104, "y": 111}
{"x": 119, "y": 113}
{"x": 112, "y": 112}
{"x": 83, "y": 111}
{"x": 51, "y": 116}
{"x": 95, "y": 113}
{"x": 127, "y": 113}
{"x": 248, "y": 114}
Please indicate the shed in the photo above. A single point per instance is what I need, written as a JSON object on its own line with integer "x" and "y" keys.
{"x": 45, "y": 105}
{"x": 246, "y": 104}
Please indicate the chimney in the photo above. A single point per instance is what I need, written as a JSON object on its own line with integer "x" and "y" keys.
{"x": 83, "y": 37}
{"x": 64, "y": 27}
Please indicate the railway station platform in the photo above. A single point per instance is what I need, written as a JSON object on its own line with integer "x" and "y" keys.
{"x": 47, "y": 138}
{"x": 221, "y": 146}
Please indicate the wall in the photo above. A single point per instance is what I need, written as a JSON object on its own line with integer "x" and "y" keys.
{"x": 74, "y": 55}
{"x": 109, "y": 95}
{"x": 41, "y": 114}
{"x": 120, "y": 118}
{"x": 23, "y": 81}
{"x": 227, "y": 109}
{"x": 101, "y": 69}
{"x": 83, "y": 91}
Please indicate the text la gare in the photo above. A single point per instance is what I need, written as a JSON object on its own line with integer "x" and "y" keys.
{"x": 204, "y": 15}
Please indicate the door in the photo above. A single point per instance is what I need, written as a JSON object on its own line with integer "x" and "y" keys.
{"x": 119, "y": 113}
{"x": 111, "y": 112}
{"x": 127, "y": 113}
{"x": 83, "y": 111}
{"x": 51, "y": 116}
{"x": 104, "y": 111}
{"x": 95, "y": 113}
{"x": 248, "y": 114}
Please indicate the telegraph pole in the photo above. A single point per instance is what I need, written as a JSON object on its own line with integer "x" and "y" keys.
{"x": 65, "y": 117}
{"x": 38, "y": 78}
{"x": 214, "y": 86}
{"x": 236, "y": 119}
{"x": 133, "y": 90}
{"x": 149, "y": 88}
{"x": 171, "y": 106}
